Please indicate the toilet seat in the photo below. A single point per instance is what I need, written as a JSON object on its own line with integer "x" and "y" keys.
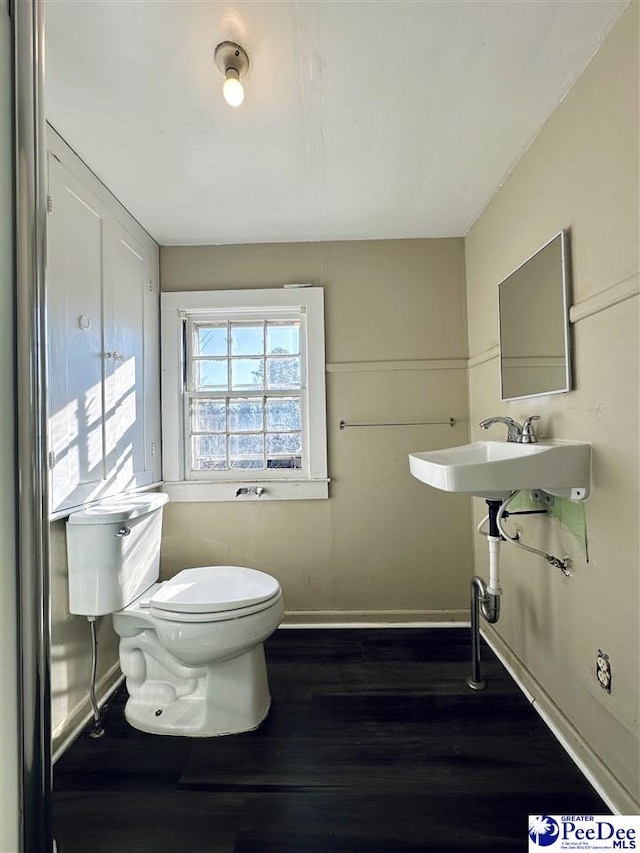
{"x": 213, "y": 593}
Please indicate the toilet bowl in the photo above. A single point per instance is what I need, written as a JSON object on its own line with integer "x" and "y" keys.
{"x": 191, "y": 648}
{"x": 192, "y": 651}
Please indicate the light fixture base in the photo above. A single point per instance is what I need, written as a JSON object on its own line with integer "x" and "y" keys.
{"x": 229, "y": 55}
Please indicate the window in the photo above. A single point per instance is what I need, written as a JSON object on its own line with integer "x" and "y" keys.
{"x": 243, "y": 394}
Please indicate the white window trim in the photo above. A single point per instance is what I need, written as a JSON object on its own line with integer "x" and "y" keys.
{"x": 310, "y": 485}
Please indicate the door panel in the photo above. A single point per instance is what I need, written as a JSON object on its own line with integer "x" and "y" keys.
{"x": 125, "y": 373}
{"x": 75, "y": 293}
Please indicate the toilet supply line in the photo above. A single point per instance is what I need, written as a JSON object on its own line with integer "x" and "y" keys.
{"x": 97, "y": 730}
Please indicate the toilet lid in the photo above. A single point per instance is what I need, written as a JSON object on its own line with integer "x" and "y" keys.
{"x": 214, "y": 589}
{"x": 119, "y": 509}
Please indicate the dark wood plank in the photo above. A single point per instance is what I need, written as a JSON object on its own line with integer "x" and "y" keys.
{"x": 147, "y": 822}
{"x": 365, "y": 822}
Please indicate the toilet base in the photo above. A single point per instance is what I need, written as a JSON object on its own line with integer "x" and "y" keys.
{"x": 231, "y": 697}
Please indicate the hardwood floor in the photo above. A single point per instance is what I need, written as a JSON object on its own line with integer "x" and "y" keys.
{"x": 374, "y": 744}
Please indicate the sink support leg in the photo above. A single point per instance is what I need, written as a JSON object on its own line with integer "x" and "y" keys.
{"x": 485, "y": 598}
{"x": 478, "y": 588}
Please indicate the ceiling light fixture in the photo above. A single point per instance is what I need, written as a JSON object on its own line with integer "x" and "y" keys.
{"x": 233, "y": 62}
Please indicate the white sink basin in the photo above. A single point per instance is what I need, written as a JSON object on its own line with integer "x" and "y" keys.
{"x": 494, "y": 469}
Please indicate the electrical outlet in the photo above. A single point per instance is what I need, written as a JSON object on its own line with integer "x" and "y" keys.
{"x": 603, "y": 670}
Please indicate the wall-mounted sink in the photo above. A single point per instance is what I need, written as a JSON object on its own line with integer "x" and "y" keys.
{"x": 494, "y": 469}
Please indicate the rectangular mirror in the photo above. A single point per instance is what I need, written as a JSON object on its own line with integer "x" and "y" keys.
{"x": 533, "y": 304}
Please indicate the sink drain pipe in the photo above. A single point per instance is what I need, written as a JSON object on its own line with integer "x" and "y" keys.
{"x": 485, "y": 597}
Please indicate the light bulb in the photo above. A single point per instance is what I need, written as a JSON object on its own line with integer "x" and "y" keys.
{"x": 232, "y": 89}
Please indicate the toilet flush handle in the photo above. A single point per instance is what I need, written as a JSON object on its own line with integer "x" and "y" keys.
{"x": 124, "y": 531}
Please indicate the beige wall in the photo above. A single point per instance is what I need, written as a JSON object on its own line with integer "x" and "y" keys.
{"x": 581, "y": 173}
{"x": 396, "y": 350}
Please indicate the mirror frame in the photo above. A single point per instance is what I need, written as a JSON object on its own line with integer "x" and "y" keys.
{"x": 563, "y": 237}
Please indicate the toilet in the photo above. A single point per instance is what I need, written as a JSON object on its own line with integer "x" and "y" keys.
{"x": 191, "y": 648}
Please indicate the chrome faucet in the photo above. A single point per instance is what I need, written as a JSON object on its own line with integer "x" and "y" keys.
{"x": 522, "y": 434}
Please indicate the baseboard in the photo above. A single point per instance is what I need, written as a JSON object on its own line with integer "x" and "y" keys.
{"x": 617, "y": 797}
{"x": 375, "y": 619}
{"x": 70, "y": 728}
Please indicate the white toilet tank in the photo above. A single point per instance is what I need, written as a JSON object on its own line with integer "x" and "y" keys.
{"x": 113, "y": 552}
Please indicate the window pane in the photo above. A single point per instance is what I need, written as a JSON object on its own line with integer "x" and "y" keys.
{"x": 283, "y": 373}
{"x": 211, "y": 374}
{"x": 245, "y": 415}
{"x": 208, "y": 416}
{"x": 283, "y": 338}
{"x": 246, "y": 451}
{"x": 208, "y": 452}
{"x": 247, "y": 373}
{"x": 284, "y": 462}
{"x": 283, "y": 413}
{"x": 211, "y": 340}
{"x": 281, "y": 443}
{"x": 284, "y": 450}
{"x": 247, "y": 340}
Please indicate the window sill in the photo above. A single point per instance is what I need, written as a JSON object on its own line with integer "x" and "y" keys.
{"x": 274, "y": 490}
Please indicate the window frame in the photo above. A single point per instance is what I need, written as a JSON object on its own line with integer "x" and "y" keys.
{"x": 300, "y": 302}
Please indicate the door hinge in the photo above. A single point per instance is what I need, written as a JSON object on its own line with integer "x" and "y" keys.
{"x": 49, "y": 205}
{"x": 52, "y": 459}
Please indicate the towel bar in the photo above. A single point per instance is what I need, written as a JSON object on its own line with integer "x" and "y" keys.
{"x": 451, "y": 422}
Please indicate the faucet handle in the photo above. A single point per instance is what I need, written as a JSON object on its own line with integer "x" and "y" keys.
{"x": 528, "y": 430}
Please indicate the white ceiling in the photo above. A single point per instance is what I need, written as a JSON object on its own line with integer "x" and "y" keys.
{"x": 362, "y": 120}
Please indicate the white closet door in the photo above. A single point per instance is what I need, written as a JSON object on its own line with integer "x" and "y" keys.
{"x": 76, "y": 239}
{"x": 104, "y": 372}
